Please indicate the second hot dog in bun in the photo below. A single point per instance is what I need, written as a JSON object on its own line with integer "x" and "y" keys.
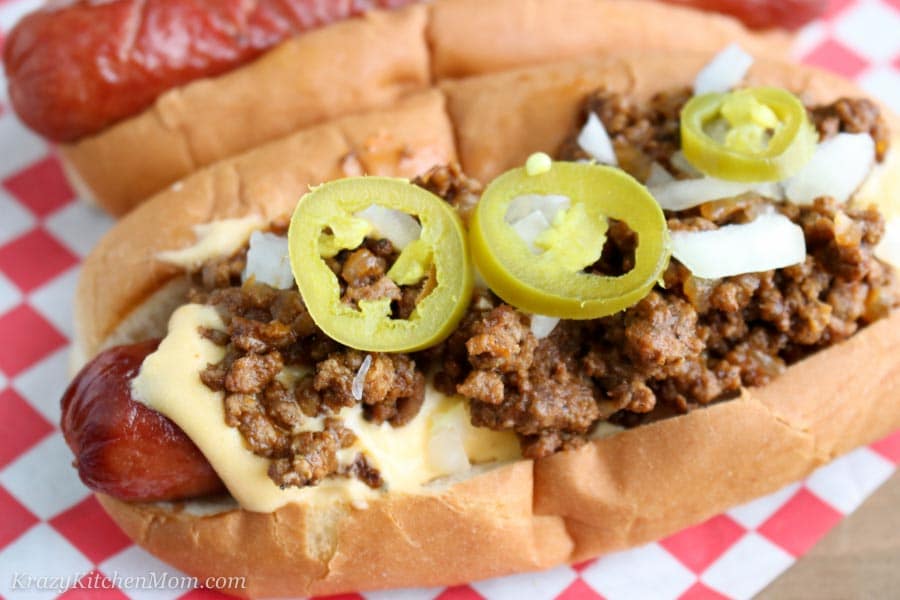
{"x": 136, "y": 112}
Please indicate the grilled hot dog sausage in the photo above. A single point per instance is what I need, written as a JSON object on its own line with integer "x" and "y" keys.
{"x": 75, "y": 68}
{"x": 763, "y": 14}
{"x": 122, "y": 448}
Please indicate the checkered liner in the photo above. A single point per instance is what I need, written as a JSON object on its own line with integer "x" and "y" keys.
{"x": 51, "y": 526}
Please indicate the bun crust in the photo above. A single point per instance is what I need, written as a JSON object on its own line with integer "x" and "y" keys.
{"x": 364, "y": 64}
{"x": 479, "y": 528}
{"x": 613, "y": 493}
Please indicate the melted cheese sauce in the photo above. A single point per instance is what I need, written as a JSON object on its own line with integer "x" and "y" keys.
{"x": 169, "y": 382}
{"x": 888, "y": 249}
{"x": 214, "y": 240}
{"x": 882, "y": 187}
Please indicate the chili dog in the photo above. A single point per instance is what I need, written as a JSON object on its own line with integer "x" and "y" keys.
{"x": 133, "y": 123}
{"x": 763, "y": 409}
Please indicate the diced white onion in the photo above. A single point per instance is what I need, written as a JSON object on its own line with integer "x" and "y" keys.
{"x": 446, "y": 450}
{"x": 888, "y": 249}
{"x": 725, "y": 71}
{"x": 771, "y": 241}
{"x": 594, "y": 140}
{"x": 482, "y": 302}
{"x": 880, "y": 187}
{"x": 838, "y": 168}
{"x": 718, "y": 130}
{"x": 524, "y": 205}
{"x": 680, "y": 162}
{"x": 687, "y": 193}
{"x": 359, "y": 380}
{"x": 530, "y": 227}
{"x": 542, "y": 325}
{"x": 605, "y": 429}
{"x": 530, "y": 215}
{"x": 658, "y": 175}
{"x": 268, "y": 261}
{"x": 396, "y": 226}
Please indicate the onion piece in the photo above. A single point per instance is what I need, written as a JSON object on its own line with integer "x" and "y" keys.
{"x": 530, "y": 215}
{"x": 838, "y": 168}
{"x": 446, "y": 451}
{"x": 658, "y": 175}
{"x": 880, "y": 186}
{"x": 687, "y": 193}
{"x": 359, "y": 380}
{"x": 680, "y": 162}
{"x": 530, "y": 228}
{"x": 446, "y": 444}
{"x": 771, "y": 241}
{"x": 604, "y": 429}
{"x": 725, "y": 71}
{"x": 268, "y": 261}
{"x": 393, "y": 225}
{"x": 594, "y": 140}
{"x": 888, "y": 249}
{"x": 542, "y": 325}
{"x": 549, "y": 205}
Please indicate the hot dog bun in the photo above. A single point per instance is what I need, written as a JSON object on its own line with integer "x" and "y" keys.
{"x": 348, "y": 67}
{"x": 613, "y": 493}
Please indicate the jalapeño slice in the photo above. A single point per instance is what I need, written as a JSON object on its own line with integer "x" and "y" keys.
{"x": 554, "y": 282}
{"x": 754, "y": 134}
{"x": 325, "y": 222}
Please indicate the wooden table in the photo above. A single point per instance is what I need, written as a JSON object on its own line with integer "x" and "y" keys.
{"x": 859, "y": 558}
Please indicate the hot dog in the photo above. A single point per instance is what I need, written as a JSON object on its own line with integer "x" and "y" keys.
{"x": 128, "y": 52}
{"x": 587, "y": 493}
{"x": 761, "y": 14}
{"x": 127, "y": 137}
{"x": 123, "y": 448}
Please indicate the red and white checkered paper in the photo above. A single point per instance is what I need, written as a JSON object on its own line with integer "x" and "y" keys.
{"x": 51, "y": 526}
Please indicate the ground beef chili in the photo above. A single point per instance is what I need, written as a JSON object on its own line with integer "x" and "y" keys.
{"x": 690, "y": 342}
{"x": 641, "y": 134}
{"x": 451, "y": 184}
{"x": 362, "y": 275}
{"x": 852, "y": 115}
{"x": 269, "y": 330}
